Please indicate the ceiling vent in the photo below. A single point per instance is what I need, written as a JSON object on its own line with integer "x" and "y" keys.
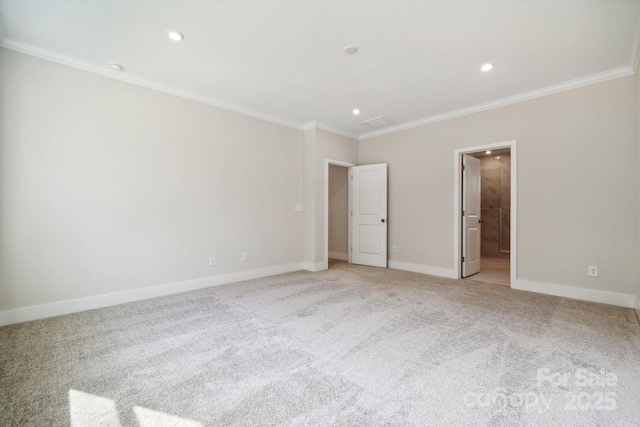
{"x": 377, "y": 122}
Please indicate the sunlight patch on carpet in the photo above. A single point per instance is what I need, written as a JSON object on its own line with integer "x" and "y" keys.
{"x": 89, "y": 410}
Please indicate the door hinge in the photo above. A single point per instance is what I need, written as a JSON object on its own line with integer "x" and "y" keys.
{"x": 351, "y": 248}
{"x": 462, "y": 213}
{"x": 351, "y": 213}
{"x": 351, "y": 177}
{"x": 464, "y": 167}
{"x": 462, "y": 259}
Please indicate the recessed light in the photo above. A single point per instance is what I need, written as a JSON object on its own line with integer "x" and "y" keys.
{"x": 350, "y": 50}
{"x": 115, "y": 66}
{"x": 176, "y": 36}
{"x": 497, "y": 157}
{"x": 356, "y": 111}
{"x": 487, "y": 152}
{"x": 486, "y": 67}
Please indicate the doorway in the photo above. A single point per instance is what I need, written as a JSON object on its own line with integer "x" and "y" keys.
{"x": 495, "y": 190}
{"x": 366, "y": 211}
{"x": 338, "y": 213}
{"x": 495, "y": 211}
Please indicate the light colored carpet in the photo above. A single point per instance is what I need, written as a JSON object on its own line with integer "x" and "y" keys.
{"x": 351, "y": 346}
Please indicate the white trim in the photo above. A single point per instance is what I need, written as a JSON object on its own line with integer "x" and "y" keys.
{"x": 338, "y": 255}
{"x": 336, "y": 131}
{"x": 177, "y": 91}
{"x": 457, "y": 188}
{"x": 139, "y": 81}
{"x": 593, "y": 295}
{"x": 424, "y": 269}
{"x": 349, "y": 211}
{"x": 325, "y": 251}
{"x": 526, "y": 96}
{"x": 638, "y": 308}
{"x": 82, "y": 304}
{"x": 316, "y": 125}
{"x": 319, "y": 266}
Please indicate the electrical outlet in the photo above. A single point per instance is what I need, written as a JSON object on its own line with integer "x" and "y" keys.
{"x": 593, "y": 270}
{"x": 212, "y": 261}
{"x": 245, "y": 257}
{"x": 394, "y": 249}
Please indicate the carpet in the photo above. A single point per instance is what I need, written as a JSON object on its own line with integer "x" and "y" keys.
{"x": 349, "y": 346}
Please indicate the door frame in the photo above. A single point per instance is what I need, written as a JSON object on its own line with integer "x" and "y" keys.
{"x": 347, "y": 165}
{"x": 457, "y": 205}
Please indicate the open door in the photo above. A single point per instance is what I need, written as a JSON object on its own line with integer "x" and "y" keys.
{"x": 369, "y": 214}
{"x": 470, "y": 215}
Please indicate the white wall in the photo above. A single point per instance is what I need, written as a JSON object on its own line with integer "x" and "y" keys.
{"x": 338, "y": 211}
{"x": 110, "y": 187}
{"x": 577, "y": 168}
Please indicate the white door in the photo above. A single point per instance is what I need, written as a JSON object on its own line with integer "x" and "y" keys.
{"x": 470, "y": 215}
{"x": 369, "y": 214}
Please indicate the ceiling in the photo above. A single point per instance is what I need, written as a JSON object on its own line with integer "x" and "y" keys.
{"x": 418, "y": 61}
{"x": 491, "y": 153}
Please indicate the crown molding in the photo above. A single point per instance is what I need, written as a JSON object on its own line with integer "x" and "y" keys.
{"x": 316, "y": 125}
{"x": 149, "y": 84}
{"x": 337, "y": 131}
{"x": 309, "y": 126}
{"x": 526, "y": 96}
{"x": 179, "y": 92}
{"x": 159, "y": 86}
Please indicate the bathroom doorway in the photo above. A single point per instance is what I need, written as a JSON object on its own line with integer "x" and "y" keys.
{"x": 496, "y": 223}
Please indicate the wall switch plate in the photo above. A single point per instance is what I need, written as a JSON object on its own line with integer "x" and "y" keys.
{"x": 245, "y": 257}
{"x": 212, "y": 261}
{"x": 593, "y": 270}
{"x": 394, "y": 249}
{"x": 298, "y": 208}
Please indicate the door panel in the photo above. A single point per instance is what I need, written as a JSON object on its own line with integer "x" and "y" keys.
{"x": 369, "y": 239}
{"x": 471, "y": 215}
{"x": 473, "y": 236}
{"x": 369, "y": 214}
{"x": 369, "y": 195}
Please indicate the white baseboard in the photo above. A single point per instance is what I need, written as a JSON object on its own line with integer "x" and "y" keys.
{"x": 593, "y": 295}
{"x": 82, "y": 304}
{"x": 604, "y": 297}
{"x": 338, "y": 255}
{"x": 309, "y": 266}
{"x": 73, "y": 306}
{"x": 449, "y": 273}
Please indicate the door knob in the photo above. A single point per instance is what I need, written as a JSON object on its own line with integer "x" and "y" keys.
{"x": 382, "y": 220}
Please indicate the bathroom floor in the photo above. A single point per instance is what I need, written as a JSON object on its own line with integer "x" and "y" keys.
{"x": 493, "y": 270}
